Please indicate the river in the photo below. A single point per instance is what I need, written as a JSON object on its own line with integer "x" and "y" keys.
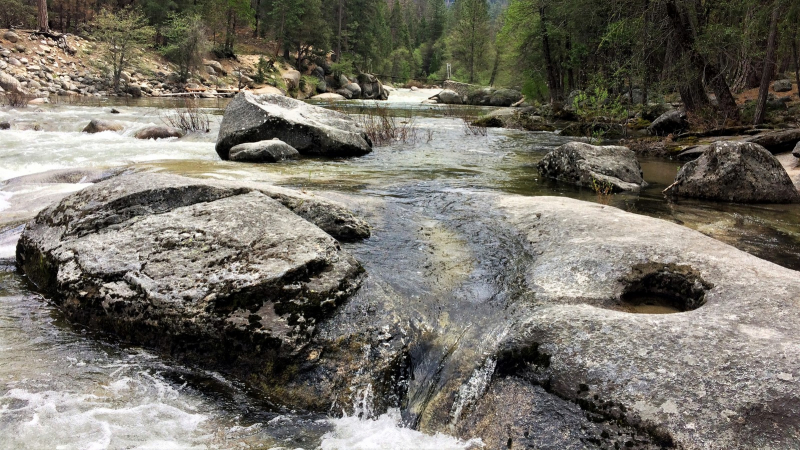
{"x": 65, "y": 387}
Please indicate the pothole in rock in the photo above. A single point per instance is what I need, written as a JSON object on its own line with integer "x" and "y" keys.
{"x": 654, "y": 288}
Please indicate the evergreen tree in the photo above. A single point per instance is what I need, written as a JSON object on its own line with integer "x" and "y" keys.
{"x": 470, "y": 35}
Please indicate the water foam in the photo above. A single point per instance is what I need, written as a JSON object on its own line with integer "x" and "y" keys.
{"x": 387, "y": 433}
{"x": 67, "y": 420}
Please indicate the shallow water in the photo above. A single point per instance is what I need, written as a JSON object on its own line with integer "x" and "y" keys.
{"x": 434, "y": 239}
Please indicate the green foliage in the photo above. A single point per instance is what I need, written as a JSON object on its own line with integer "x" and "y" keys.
{"x": 186, "y": 43}
{"x": 263, "y": 69}
{"x": 16, "y": 13}
{"x": 597, "y": 103}
{"x": 469, "y": 37}
{"x": 124, "y": 33}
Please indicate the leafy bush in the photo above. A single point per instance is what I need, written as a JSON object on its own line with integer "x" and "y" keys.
{"x": 124, "y": 33}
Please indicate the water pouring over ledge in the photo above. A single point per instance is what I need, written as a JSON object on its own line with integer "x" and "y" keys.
{"x": 427, "y": 186}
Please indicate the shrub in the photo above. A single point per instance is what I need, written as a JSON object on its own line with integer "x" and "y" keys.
{"x": 189, "y": 118}
{"x": 382, "y": 128}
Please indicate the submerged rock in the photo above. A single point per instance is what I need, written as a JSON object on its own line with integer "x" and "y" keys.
{"x": 221, "y": 275}
{"x": 273, "y": 150}
{"x": 601, "y": 168}
{"x": 100, "y": 125}
{"x": 311, "y": 130}
{"x": 736, "y": 172}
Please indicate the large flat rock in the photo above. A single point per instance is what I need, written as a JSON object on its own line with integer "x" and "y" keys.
{"x": 221, "y": 275}
{"x": 310, "y": 129}
{"x": 719, "y": 372}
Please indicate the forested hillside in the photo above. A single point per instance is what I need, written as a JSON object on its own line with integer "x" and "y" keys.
{"x": 644, "y": 49}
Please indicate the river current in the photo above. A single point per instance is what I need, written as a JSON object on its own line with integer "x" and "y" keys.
{"x": 65, "y": 387}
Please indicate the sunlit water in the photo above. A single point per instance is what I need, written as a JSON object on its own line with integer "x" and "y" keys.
{"x": 63, "y": 387}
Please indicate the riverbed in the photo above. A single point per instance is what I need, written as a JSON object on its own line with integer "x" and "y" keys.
{"x": 65, "y": 387}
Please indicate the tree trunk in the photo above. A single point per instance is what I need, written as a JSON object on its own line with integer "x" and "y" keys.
{"x": 553, "y": 80}
{"x": 692, "y": 92}
{"x": 495, "y": 66}
{"x": 257, "y": 15}
{"x": 796, "y": 58}
{"x": 769, "y": 67}
{"x": 44, "y": 25}
{"x": 339, "y": 33}
{"x": 727, "y": 104}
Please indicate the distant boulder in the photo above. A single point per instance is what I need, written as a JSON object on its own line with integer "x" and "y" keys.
{"x": 10, "y": 84}
{"x": 739, "y": 171}
{"x": 782, "y": 86}
{"x": 668, "y": 123}
{"x": 100, "y": 125}
{"x": 159, "y": 132}
{"x": 10, "y": 36}
{"x": 292, "y": 79}
{"x": 594, "y": 166}
{"x": 777, "y": 141}
{"x": 448, "y": 97}
{"x": 371, "y": 87}
{"x": 310, "y": 129}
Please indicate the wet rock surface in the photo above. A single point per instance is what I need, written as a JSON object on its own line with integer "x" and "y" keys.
{"x": 159, "y": 132}
{"x": 223, "y": 276}
{"x": 273, "y": 150}
{"x": 311, "y": 130}
{"x": 528, "y": 325}
{"x": 736, "y": 172}
{"x": 599, "y": 167}
{"x": 100, "y": 125}
{"x": 712, "y": 375}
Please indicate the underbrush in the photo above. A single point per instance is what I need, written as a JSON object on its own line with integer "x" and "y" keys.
{"x": 382, "y": 128}
{"x": 189, "y": 118}
{"x": 16, "y": 100}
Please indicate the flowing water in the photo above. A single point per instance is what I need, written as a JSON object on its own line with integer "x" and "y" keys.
{"x": 434, "y": 237}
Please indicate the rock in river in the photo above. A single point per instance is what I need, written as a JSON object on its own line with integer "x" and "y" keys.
{"x": 222, "y": 275}
{"x": 735, "y": 172}
{"x": 311, "y": 130}
{"x": 159, "y": 132}
{"x": 716, "y": 373}
{"x": 273, "y": 150}
{"x": 594, "y": 166}
{"x": 100, "y": 125}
